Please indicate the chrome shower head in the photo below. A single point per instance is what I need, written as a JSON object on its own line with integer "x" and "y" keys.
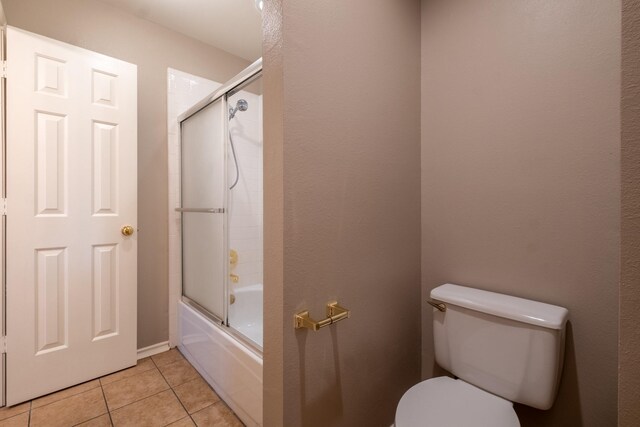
{"x": 241, "y": 105}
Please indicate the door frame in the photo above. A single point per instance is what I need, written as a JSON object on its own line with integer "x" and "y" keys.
{"x": 3, "y": 192}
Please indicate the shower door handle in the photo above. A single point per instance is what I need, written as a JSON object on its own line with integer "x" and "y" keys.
{"x": 201, "y": 210}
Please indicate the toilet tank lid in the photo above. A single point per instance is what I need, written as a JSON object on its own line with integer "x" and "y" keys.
{"x": 507, "y": 306}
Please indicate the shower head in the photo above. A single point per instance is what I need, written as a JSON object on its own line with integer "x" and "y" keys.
{"x": 241, "y": 105}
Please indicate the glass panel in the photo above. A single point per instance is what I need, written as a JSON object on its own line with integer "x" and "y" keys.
{"x": 203, "y": 243}
{"x": 245, "y": 209}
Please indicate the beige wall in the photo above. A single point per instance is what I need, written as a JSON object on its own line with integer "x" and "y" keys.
{"x": 99, "y": 27}
{"x": 521, "y": 174}
{"x": 273, "y": 152}
{"x": 342, "y": 120}
{"x": 629, "y": 350}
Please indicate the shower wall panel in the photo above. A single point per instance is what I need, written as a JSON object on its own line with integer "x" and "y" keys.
{"x": 245, "y": 200}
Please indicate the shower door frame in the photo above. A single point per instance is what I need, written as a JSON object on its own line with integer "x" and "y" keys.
{"x": 252, "y": 72}
{"x": 225, "y": 209}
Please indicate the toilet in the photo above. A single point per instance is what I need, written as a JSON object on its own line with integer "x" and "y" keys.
{"x": 500, "y": 349}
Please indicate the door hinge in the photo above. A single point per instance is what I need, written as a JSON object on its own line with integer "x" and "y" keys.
{"x": 3, "y": 70}
{"x": 3, "y": 345}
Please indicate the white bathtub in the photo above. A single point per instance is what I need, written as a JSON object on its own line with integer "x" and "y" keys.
{"x": 230, "y": 367}
{"x": 245, "y": 314}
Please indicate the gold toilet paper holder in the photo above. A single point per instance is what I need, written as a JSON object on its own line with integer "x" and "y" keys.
{"x": 335, "y": 313}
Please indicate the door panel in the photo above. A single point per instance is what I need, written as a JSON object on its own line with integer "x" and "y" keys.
{"x": 71, "y": 187}
{"x": 203, "y": 186}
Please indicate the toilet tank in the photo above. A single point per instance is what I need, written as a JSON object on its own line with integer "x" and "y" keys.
{"x": 511, "y": 347}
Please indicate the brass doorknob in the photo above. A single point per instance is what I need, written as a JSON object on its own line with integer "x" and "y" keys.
{"x": 127, "y": 230}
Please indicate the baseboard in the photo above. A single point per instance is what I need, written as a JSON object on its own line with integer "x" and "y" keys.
{"x": 153, "y": 349}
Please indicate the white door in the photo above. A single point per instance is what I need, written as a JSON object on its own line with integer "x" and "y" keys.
{"x": 71, "y": 187}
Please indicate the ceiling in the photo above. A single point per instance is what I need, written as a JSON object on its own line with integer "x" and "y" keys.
{"x": 231, "y": 25}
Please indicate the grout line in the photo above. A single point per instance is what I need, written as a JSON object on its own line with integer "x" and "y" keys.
{"x": 174, "y": 392}
{"x": 106, "y": 404}
{"x": 165, "y": 378}
{"x": 181, "y": 404}
{"x": 13, "y": 416}
{"x": 31, "y": 408}
{"x": 154, "y": 362}
{"x": 136, "y": 401}
{"x": 125, "y": 378}
{"x": 90, "y": 419}
{"x": 129, "y": 377}
{"x": 202, "y": 409}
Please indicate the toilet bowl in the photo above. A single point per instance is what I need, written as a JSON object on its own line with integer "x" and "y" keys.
{"x": 501, "y": 348}
{"x": 443, "y": 401}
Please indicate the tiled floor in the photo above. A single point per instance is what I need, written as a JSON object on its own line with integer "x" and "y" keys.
{"x": 161, "y": 390}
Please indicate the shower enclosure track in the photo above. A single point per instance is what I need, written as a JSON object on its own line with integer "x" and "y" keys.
{"x": 202, "y": 210}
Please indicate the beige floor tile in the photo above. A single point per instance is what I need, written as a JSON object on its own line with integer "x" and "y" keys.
{"x": 218, "y": 415}
{"x": 195, "y": 395}
{"x": 178, "y": 372}
{"x": 70, "y": 411}
{"x": 139, "y": 396}
{"x": 142, "y": 366}
{"x": 63, "y": 394}
{"x": 137, "y": 387}
{"x": 167, "y": 357}
{"x": 157, "y": 410}
{"x": 12, "y": 411}
{"x": 185, "y": 422}
{"x": 21, "y": 420}
{"x": 102, "y": 421}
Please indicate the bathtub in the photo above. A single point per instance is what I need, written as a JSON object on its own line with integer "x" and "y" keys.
{"x": 245, "y": 314}
{"x": 231, "y": 367}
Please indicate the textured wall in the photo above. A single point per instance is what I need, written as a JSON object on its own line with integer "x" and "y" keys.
{"x": 342, "y": 121}
{"x": 629, "y": 363}
{"x": 521, "y": 174}
{"x": 99, "y": 27}
{"x": 273, "y": 146}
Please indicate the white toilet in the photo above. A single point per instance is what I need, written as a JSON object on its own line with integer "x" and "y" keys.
{"x": 502, "y": 349}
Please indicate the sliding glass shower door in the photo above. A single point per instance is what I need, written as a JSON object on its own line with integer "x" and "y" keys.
{"x": 222, "y": 208}
{"x": 204, "y": 259}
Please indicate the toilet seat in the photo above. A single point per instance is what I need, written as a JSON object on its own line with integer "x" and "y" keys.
{"x": 445, "y": 402}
